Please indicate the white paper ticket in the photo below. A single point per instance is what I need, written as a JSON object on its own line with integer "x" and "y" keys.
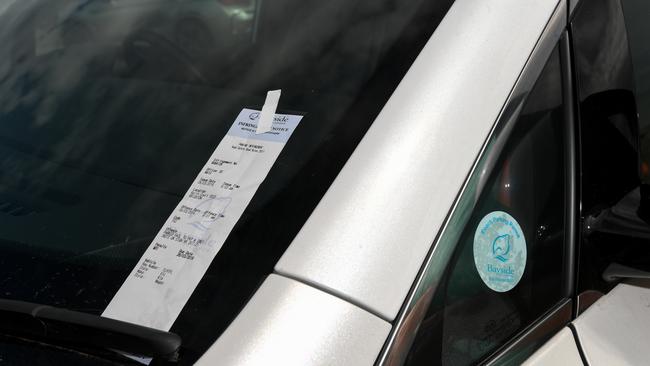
{"x": 161, "y": 283}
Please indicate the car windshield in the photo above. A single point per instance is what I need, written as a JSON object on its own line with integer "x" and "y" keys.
{"x": 110, "y": 108}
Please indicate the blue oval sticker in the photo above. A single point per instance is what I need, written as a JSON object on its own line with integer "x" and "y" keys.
{"x": 500, "y": 251}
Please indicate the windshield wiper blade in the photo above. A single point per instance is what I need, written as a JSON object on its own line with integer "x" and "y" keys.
{"x": 66, "y": 326}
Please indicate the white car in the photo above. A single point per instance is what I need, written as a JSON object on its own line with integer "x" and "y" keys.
{"x": 330, "y": 183}
{"x": 613, "y": 331}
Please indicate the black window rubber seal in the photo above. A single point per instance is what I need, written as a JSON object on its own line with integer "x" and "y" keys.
{"x": 578, "y": 344}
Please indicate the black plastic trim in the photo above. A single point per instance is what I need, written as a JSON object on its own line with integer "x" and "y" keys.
{"x": 577, "y": 141}
{"x": 571, "y": 166}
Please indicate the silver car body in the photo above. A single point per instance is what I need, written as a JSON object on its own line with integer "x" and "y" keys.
{"x": 338, "y": 290}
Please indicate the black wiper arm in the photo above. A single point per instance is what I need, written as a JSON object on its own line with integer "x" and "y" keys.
{"x": 82, "y": 329}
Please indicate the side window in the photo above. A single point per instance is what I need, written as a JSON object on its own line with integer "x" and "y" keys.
{"x": 608, "y": 123}
{"x": 506, "y": 270}
{"x": 608, "y": 49}
{"x": 636, "y": 13}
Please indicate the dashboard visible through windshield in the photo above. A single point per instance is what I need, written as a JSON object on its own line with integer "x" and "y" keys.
{"x": 110, "y": 108}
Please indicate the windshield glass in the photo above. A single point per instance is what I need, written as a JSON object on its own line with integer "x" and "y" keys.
{"x": 110, "y": 108}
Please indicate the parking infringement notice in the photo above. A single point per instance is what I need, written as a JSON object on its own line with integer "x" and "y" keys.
{"x": 500, "y": 251}
{"x": 158, "y": 287}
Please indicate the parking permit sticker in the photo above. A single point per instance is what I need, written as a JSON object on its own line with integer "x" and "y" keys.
{"x": 162, "y": 281}
{"x": 500, "y": 251}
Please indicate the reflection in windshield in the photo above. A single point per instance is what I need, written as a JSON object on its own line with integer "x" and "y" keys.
{"x": 109, "y": 109}
{"x": 82, "y": 98}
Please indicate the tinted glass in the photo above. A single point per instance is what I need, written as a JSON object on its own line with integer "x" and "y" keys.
{"x": 615, "y": 208}
{"x": 467, "y": 320}
{"x": 109, "y": 109}
{"x": 637, "y": 13}
{"x": 608, "y": 124}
